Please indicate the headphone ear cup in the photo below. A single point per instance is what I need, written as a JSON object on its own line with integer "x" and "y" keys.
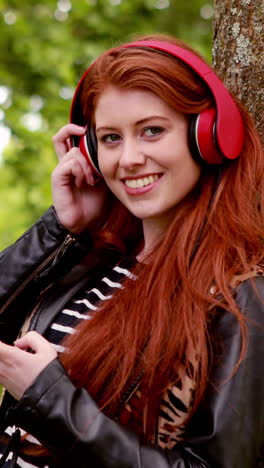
{"x": 88, "y": 147}
{"x": 201, "y": 138}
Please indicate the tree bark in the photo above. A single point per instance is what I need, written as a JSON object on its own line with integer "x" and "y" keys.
{"x": 238, "y": 45}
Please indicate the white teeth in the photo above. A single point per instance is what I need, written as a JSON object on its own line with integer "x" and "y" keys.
{"x": 138, "y": 183}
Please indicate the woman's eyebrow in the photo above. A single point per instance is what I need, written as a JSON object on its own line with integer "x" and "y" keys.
{"x": 151, "y": 117}
{"x": 105, "y": 129}
{"x": 138, "y": 122}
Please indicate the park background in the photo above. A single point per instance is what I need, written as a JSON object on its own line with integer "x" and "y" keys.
{"x": 45, "y": 47}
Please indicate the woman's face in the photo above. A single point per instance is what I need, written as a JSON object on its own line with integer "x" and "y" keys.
{"x": 143, "y": 152}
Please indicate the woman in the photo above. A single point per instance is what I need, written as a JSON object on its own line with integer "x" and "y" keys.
{"x": 138, "y": 297}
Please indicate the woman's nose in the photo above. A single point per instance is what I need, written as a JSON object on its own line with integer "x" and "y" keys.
{"x": 131, "y": 155}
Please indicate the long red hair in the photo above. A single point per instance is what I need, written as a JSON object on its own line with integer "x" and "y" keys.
{"x": 158, "y": 322}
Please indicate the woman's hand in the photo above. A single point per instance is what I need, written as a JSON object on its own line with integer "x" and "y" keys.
{"x": 78, "y": 198}
{"x": 22, "y": 363}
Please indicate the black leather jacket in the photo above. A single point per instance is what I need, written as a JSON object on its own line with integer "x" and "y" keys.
{"x": 227, "y": 431}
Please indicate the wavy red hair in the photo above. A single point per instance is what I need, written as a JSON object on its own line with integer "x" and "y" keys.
{"x": 159, "y": 321}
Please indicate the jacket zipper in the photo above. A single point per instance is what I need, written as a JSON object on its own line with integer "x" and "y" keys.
{"x": 128, "y": 394}
{"x": 36, "y": 311}
{"x": 68, "y": 240}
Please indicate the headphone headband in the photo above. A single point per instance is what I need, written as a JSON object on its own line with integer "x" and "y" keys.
{"x": 229, "y": 128}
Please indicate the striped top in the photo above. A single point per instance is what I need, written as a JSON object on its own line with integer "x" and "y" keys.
{"x": 85, "y": 303}
{"x": 177, "y": 398}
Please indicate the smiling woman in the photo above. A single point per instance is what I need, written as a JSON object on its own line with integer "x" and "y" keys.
{"x": 138, "y": 298}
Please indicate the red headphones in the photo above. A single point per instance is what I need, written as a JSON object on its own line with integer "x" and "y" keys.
{"x": 216, "y": 134}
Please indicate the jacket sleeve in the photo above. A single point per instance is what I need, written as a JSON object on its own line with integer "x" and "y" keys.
{"x": 226, "y": 432}
{"x": 37, "y": 259}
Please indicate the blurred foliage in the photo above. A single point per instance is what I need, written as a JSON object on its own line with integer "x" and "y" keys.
{"x": 45, "y": 47}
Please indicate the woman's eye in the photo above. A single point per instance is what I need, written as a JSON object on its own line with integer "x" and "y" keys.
{"x": 111, "y": 138}
{"x": 153, "y": 131}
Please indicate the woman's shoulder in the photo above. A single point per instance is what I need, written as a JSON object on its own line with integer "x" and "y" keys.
{"x": 242, "y": 281}
{"x": 255, "y": 271}
{"x": 249, "y": 293}
{"x": 247, "y": 289}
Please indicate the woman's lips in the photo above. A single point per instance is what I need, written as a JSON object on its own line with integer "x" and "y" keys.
{"x": 140, "y": 185}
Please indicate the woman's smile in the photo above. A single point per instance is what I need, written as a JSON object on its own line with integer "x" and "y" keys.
{"x": 141, "y": 184}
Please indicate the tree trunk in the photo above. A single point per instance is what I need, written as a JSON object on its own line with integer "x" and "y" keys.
{"x": 238, "y": 45}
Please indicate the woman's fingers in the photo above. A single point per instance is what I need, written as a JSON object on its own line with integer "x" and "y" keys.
{"x": 73, "y": 165}
{"x": 21, "y": 364}
{"x": 35, "y": 342}
{"x": 77, "y": 203}
{"x": 61, "y": 139}
{"x": 76, "y": 161}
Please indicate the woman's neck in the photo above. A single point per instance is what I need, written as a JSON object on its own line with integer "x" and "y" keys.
{"x": 152, "y": 232}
